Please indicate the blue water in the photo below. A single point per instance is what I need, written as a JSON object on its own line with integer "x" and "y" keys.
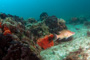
{"x": 33, "y": 8}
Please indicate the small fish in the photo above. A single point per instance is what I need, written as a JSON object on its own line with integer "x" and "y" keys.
{"x": 65, "y": 34}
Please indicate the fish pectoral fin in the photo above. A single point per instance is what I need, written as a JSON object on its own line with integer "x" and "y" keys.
{"x": 67, "y": 38}
{"x": 58, "y": 39}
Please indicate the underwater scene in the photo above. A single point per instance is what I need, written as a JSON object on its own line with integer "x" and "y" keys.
{"x": 44, "y": 29}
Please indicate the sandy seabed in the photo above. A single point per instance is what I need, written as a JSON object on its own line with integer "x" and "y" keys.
{"x": 81, "y": 40}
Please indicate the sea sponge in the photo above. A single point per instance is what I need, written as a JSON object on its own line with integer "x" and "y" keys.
{"x": 46, "y": 42}
{"x": 7, "y": 32}
{"x": 5, "y": 28}
{"x": 0, "y": 25}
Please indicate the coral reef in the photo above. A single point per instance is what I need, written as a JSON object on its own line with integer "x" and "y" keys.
{"x": 15, "y": 18}
{"x": 3, "y": 15}
{"x": 38, "y": 30}
{"x": 87, "y": 24}
{"x": 14, "y": 50}
{"x": 16, "y": 46}
{"x": 43, "y": 16}
{"x": 31, "y": 20}
{"x": 24, "y": 40}
{"x": 77, "y": 20}
{"x": 54, "y": 24}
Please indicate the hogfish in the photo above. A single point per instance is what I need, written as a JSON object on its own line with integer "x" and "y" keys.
{"x": 65, "y": 34}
